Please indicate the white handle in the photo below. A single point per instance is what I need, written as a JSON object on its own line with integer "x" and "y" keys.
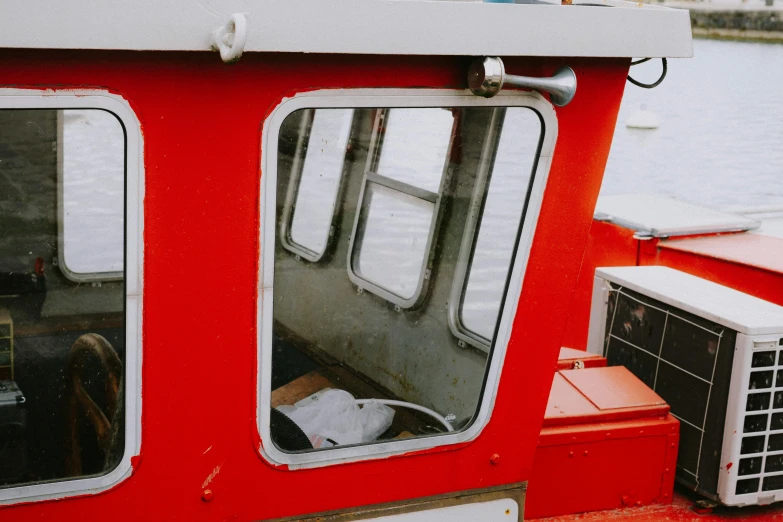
{"x": 230, "y": 39}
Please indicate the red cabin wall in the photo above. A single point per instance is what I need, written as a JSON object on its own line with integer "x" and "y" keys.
{"x": 607, "y": 245}
{"x": 201, "y": 122}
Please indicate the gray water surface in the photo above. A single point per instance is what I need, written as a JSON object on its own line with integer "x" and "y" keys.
{"x": 720, "y": 140}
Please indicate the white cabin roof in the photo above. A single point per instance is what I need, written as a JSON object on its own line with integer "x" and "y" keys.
{"x": 589, "y": 28}
{"x": 731, "y": 308}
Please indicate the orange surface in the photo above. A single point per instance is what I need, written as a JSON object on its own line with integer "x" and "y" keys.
{"x": 614, "y": 388}
{"x": 608, "y": 441}
{"x": 618, "y": 464}
{"x": 600, "y": 395}
{"x": 755, "y": 250}
{"x": 570, "y": 356}
{"x": 566, "y": 402}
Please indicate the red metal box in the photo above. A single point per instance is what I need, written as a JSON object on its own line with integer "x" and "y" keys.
{"x": 608, "y": 441}
{"x": 573, "y": 359}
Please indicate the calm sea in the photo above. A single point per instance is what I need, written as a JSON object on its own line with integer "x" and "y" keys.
{"x": 720, "y": 140}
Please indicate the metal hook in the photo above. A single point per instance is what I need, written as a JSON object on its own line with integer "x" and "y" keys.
{"x": 230, "y": 39}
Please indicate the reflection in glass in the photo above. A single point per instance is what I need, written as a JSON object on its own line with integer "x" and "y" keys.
{"x": 93, "y": 170}
{"x": 373, "y": 320}
{"x": 60, "y": 341}
{"x": 500, "y": 221}
{"x": 392, "y": 246}
{"x": 319, "y": 182}
{"x": 415, "y": 145}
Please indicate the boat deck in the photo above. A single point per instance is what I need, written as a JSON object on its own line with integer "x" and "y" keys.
{"x": 680, "y": 510}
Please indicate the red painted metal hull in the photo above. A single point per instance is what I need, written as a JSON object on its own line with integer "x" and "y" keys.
{"x": 201, "y": 121}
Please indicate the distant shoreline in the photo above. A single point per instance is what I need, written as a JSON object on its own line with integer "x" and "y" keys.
{"x": 734, "y": 21}
{"x": 716, "y": 33}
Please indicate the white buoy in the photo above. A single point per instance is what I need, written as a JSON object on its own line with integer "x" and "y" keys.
{"x": 642, "y": 119}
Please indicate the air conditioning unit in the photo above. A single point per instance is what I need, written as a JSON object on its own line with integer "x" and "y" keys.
{"x": 715, "y": 355}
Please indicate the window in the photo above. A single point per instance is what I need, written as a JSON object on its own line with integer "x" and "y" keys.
{"x": 358, "y": 356}
{"x": 91, "y": 160}
{"x": 393, "y": 235}
{"x": 314, "y": 188}
{"x": 392, "y": 249}
{"x": 69, "y": 167}
{"x": 413, "y": 145}
{"x": 490, "y": 237}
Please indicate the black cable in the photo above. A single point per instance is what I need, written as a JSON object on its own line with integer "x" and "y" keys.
{"x": 649, "y": 85}
{"x": 637, "y": 62}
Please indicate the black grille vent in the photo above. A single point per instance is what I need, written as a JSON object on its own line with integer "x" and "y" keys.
{"x": 687, "y": 361}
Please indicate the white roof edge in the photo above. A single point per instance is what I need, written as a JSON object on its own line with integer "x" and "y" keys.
{"x": 731, "y": 308}
{"x": 402, "y": 27}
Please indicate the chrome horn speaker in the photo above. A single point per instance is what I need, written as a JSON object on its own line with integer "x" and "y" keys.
{"x": 487, "y": 76}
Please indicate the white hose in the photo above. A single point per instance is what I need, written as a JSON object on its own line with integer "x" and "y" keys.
{"x": 435, "y": 415}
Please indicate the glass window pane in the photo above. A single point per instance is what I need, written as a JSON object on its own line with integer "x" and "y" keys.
{"x": 53, "y": 329}
{"x": 415, "y": 145}
{"x": 393, "y": 241}
{"x": 320, "y": 179}
{"x": 372, "y": 321}
{"x": 93, "y": 178}
{"x": 500, "y": 220}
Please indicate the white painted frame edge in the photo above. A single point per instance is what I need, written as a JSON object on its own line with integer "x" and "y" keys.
{"x": 616, "y": 29}
{"x": 368, "y": 98}
{"x": 134, "y": 253}
{"x": 599, "y": 303}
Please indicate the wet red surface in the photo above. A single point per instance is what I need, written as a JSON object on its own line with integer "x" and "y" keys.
{"x": 681, "y": 509}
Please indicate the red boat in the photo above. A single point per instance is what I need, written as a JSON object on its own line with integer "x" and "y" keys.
{"x": 319, "y": 261}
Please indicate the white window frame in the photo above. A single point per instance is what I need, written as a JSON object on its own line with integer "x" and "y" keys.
{"x": 467, "y": 248}
{"x": 372, "y": 98}
{"x": 134, "y": 249}
{"x": 76, "y": 277}
{"x": 292, "y": 193}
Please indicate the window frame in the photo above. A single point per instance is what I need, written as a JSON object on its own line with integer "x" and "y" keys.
{"x": 386, "y": 98}
{"x": 76, "y": 277}
{"x": 372, "y": 176}
{"x": 134, "y": 248}
{"x": 472, "y": 227}
{"x": 292, "y": 192}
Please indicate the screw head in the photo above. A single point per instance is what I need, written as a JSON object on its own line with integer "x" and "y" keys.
{"x": 206, "y": 495}
{"x": 494, "y": 459}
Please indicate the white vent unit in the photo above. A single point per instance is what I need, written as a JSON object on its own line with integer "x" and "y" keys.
{"x": 716, "y": 356}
